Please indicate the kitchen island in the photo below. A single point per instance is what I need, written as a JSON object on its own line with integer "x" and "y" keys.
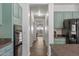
{"x": 65, "y": 50}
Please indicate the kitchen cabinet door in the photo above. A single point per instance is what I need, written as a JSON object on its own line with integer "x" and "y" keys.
{"x": 20, "y": 15}
{"x": 59, "y": 41}
{"x": 8, "y": 53}
{"x": 20, "y": 12}
{"x": 68, "y": 15}
{"x": 7, "y": 20}
{"x": 17, "y": 18}
{"x": 58, "y": 19}
{"x": 6, "y": 49}
{"x": 76, "y": 14}
{"x": 0, "y": 14}
{"x": 16, "y": 10}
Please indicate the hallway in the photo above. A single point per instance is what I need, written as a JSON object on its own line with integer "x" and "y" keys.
{"x": 39, "y": 48}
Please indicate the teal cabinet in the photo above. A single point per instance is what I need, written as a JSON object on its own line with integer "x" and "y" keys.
{"x": 8, "y": 13}
{"x": 76, "y": 14}
{"x": 0, "y": 14}
{"x": 20, "y": 16}
{"x": 58, "y": 19}
{"x": 16, "y": 10}
{"x": 6, "y": 29}
{"x": 17, "y": 14}
{"x": 20, "y": 12}
{"x": 6, "y": 20}
{"x": 6, "y": 49}
{"x": 59, "y": 41}
{"x": 68, "y": 15}
{"x": 9, "y": 53}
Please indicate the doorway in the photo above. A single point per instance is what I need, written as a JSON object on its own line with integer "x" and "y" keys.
{"x": 38, "y": 29}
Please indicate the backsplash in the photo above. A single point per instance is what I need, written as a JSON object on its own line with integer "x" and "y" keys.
{"x": 58, "y": 31}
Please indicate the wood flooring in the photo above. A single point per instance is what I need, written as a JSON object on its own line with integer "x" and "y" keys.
{"x": 39, "y": 48}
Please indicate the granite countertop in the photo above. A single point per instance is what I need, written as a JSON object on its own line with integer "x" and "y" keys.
{"x": 65, "y": 50}
{"x": 4, "y": 42}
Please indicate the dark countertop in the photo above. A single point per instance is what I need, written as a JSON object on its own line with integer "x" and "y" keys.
{"x": 65, "y": 50}
{"x": 59, "y": 37}
{"x": 4, "y": 42}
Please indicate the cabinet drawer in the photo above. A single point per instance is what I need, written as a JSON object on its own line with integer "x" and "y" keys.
{"x": 8, "y": 53}
{"x": 59, "y": 42}
{"x": 5, "y": 49}
{"x": 60, "y": 39}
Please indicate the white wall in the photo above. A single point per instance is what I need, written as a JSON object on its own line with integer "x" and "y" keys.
{"x": 77, "y": 6}
{"x": 26, "y": 29}
{"x": 46, "y": 31}
{"x": 66, "y": 7}
{"x": 50, "y": 26}
{"x": 32, "y": 29}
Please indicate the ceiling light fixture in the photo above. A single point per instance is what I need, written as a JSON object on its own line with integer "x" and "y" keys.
{"x": 39, "y": 13}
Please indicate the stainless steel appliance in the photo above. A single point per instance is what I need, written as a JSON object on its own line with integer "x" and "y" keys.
{"x": 71, "y": 27}
{"x": 17, "y": 40}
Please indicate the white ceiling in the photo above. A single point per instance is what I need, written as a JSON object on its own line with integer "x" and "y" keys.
{"x": 36, "y": 7}
{"x": 39, "y": 11}
{"x": 66, "y": 3}
{"x": 66, "y": 6}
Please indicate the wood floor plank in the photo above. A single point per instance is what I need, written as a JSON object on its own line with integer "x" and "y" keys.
{"x": 39, "y": 48}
